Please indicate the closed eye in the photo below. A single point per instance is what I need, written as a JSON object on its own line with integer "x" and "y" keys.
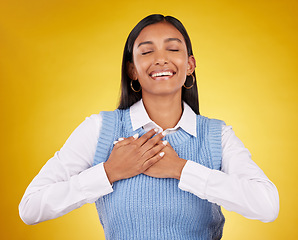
{"x": 144, "y": 53}
{"x": 174, "y": 50}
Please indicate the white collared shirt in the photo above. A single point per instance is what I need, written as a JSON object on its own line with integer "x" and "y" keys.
{"x": 140, "y": 118}
{"x": 68, "y": 180}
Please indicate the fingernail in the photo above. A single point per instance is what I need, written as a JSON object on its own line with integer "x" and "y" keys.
{"x": 156, "y": 129}
{"x": 164, "y": 142}
{"x": 136, "y": 136}
{"x": 164, "y": 133}
{"x": 115, "y": 142}
{"x": 161, "y": 154}
{"x": 120, "y": 139}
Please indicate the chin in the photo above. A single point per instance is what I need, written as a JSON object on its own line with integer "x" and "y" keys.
{"x": 163, "y": 91}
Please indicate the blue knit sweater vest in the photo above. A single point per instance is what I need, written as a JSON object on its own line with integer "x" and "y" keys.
{"x": 144, "y": 207}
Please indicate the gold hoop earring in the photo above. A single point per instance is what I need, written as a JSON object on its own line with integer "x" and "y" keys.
{"x": 133, "y": 88}
{"x": 193, "y": 82}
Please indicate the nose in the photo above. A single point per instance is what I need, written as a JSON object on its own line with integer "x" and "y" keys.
{"x": 160, "y": 58}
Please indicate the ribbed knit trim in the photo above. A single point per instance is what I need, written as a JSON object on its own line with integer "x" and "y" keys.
{"x": 215, "y": 127}
{"x": 110, "y": 120}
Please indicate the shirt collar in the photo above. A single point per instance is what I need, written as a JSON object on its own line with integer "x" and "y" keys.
{"x": 140, "y": 118}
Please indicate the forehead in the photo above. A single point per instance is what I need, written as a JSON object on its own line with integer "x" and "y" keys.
{"x": 159, "y": 31}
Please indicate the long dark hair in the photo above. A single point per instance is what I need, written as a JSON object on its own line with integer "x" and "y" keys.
{"x": 128, "y": 96}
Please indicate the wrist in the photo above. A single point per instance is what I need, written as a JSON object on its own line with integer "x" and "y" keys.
{"x": 180, "y": 165}
{"x": 109, "y": 173}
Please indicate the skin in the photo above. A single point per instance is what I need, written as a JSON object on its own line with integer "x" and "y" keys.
{"x": 159, "y": 48}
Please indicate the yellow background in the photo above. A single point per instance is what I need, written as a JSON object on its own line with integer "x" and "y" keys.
{"x": 60, "y": 62}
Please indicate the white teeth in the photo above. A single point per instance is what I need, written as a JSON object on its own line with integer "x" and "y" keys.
{"x": 162, "y": 74}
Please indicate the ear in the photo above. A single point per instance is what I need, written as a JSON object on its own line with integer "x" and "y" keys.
{"x": 130, "y": 68}
{"x": 191, "y": 65}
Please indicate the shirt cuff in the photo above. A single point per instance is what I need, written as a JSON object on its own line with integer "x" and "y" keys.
{"x": 95, "y": 183}
{"x": 194, "y": 178}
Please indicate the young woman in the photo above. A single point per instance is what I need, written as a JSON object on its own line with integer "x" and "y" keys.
{"x": 155, "y": 167}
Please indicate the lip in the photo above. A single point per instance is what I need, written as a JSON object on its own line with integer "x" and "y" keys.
{"x": 165, "y": 77}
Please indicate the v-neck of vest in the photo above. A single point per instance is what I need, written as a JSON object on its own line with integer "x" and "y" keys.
{"x": 175, "y": 139}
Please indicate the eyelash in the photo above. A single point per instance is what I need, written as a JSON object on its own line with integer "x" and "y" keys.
{"x": 172, "y": 50}
{"x": 144, "y": 53}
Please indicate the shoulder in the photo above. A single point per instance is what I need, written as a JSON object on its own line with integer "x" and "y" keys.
{"x": 89, "y": 127}
{"x": 93, "y": 123}
{"x": 214, "y": 126}
{"x": 116, "y": 115}
{"x": 210, "y": 121}
{"x": 94, "y": 118}
{"x": 219, "y": 127}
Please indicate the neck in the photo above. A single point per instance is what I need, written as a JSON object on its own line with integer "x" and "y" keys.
{"x": 164, "y": 111}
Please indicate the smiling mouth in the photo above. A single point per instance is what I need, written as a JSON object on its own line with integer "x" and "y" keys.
{"x": 162, "y": 75}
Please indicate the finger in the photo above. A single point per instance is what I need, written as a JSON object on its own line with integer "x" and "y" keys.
{"x": 154, "y": 150}
{"x": 153, "y": 160}
{"x": 119, "y": 140}
{"x": 165, "y": 142}
{"x": 125, "y": 141}
{"x": 146, "y": 136}
{"x": 152, "y": 142}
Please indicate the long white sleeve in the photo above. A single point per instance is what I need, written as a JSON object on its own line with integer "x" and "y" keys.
{"x": 240, "y": 186}
{"x": 68, "y": 180}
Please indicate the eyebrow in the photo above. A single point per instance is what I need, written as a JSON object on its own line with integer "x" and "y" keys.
{"x": 173, "y": 39}
{"x": 143, "y": 43}
{"x": 166, "y": 40}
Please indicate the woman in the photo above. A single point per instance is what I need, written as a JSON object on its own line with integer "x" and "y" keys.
{"x": 155, "y": 167}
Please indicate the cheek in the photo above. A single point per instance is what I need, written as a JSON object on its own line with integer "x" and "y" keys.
{"x": 141, "y": 67}
{"x": 181, "y": 60}
{"x": 182, "y": 64}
